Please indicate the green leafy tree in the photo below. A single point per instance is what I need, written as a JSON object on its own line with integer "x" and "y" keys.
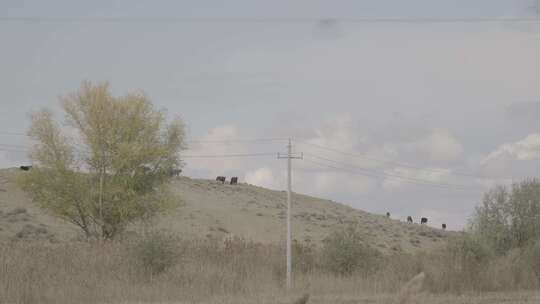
{"x": 509, "y": 218}
{"x": 492, "y": 219}
{"x": 113, "y": 169}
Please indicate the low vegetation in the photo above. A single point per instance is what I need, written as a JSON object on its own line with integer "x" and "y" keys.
{"x": 161, "y": 267}
{"x": 345, "y": 251}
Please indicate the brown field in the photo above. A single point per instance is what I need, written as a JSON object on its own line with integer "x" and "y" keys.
{"x": 224, "y": 245}
{"x": 208, "y": 209}
{"x": 487, "y": 298}
{"x": 209, "y": 272}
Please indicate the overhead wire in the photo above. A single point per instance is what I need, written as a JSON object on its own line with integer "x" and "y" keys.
{"x": 231, "y": 155}
{"x": 380, "y": 175}
{"x": 351, "y": 168}
{"x": 292, "y": 20}
{"x": 389, "y": 162}
{"x": 228, "y": 141}
{"x": 198, "y": 141}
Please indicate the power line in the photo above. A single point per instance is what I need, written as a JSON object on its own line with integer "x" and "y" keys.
{"x": 13, "y": 146}
{"x": 404, "y": 179}
{"x": 198, "y": 141}
{"x": 228, "y": 141}
{"x": 165, "y": 20}
{"x": 13, "y": 150}
{"x": 347, "y": 167}
{"x": 230, "y": 155}
{"x": 389, "y": 162}
{"x": 21, "y": 148}
{"x": 382, "y": 172}
{"x": 237, "y": 155}
{"x": 379, "y": 174}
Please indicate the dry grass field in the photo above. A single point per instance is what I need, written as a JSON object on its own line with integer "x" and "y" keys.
{"x": 235, "y": 272}
{"x": 212, "y": 210}
{"x": 488, "y": 298}
{"x": 224, "y": 244}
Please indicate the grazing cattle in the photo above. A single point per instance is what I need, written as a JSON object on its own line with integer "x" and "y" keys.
{"x": 444, "y": 226}
{"x": 423, "y": 220}
{"x": 234, "y": 180}
{"x": 176, "y": 172}
{"x": 25, "y": 168}
{"x": 409, "y": 219}
{"x": 221, "y": 179}
{"x": 388, "y": 214}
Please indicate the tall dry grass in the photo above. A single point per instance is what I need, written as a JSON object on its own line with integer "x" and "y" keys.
{"x": 193, "y": 271}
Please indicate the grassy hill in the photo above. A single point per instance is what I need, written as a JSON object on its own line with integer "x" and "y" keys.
{"x": 211, "y": 209}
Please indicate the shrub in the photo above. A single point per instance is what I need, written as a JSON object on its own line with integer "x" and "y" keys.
{"x": 398, "y": 268}
{"x": 156, "y": 253}
{"x": 345, "y": 252}
{"x": 508, "y": 216}
{"x": 459, "y": 265}
{"x": 512, "y": 271}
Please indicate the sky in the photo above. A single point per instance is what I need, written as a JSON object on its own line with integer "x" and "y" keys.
{"x": 411, "y": 118}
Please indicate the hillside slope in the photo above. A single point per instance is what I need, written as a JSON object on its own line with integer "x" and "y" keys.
{"x": 211, "y": 209}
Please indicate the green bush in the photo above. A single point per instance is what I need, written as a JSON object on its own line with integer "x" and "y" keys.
{"x": 157, "y": 252}
{"x": 460, "y": 265}
{"x": 508, "y": 216}
{"x": 345, "y": 252}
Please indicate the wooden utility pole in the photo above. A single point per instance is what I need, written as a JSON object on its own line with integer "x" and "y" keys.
{"x": 289, "y": 158}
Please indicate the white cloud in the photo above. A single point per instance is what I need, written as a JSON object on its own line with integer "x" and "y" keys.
{"x": 514, "y": 160}
{"x": 330, "y": 184}
{"x": 263, "y": 177}
{"x": 10, "y": 159}
{"x": 4, "y": 161}
{"x": 439, "y": 146}
{"x": 525, "y": 149}
{"x": 338, "y": 131}
{"x": 341, "y": 133}
{"x": 212, "y": 144}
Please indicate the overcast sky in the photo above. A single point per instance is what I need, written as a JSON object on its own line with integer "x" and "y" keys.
{"x": 429, "y": 115}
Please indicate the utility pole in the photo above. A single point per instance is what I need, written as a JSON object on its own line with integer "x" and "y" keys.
{"x": 289, "y": 158}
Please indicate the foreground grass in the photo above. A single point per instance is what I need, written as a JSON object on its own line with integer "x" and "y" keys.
{"x": 487, "y": 298}
{"x": 165, "y": 270}
{"x": 508, "y": 298}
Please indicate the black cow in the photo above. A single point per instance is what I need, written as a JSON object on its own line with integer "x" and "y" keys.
{"x": 25, "y": 168}
{"x": 409, "y": 219}
{"x": 221, "y": 179}
{"x": 444, "y": 226}
{"x": 423, "y": 220}
{"x": 175, "y": 172}
{"x": 388, "y": 214}
{"x": 234, "y": 180}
